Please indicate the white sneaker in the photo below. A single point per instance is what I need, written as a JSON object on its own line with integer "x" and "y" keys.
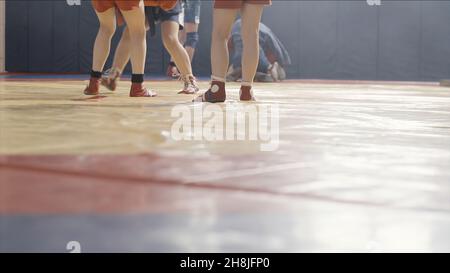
{"x": 190, "y": 85}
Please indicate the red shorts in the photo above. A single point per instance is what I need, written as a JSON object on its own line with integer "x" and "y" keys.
{"x": 237, "y": 4}
{"x": 104, "y": 5}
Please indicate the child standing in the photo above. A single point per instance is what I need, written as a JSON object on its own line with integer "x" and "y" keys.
{"x": 133, "y": 13}
{"x": 224, "y": 16}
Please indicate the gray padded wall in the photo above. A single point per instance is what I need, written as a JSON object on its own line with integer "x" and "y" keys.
{"x": 399, "y": 40}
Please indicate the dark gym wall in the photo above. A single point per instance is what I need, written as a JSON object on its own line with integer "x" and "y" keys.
{"x": 399, "y": 40}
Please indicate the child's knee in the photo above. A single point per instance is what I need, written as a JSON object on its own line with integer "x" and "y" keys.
{"x": 136, "y": 27}
{"x": 108, "y": 29}
{"x": 137, "y": 32}
{"x": 221, "y": 35}
{"x": 170, "y": 40}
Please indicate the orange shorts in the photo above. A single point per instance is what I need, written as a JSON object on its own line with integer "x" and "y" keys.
{"x": 104, "y": 5}
{"x": 237, "y": 4}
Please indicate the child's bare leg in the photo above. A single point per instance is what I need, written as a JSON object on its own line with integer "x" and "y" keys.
{"x": 121, "y": 58}
{"x": 169, "y": 30}
{"x": 251, "y": 17}
{"x": 172, "y": 69}
{"x": 102, "y": 43}
{"x": 135, "y": 20}
{"x": 101, "y": 50}
{"x": 223, "y": 20}
{"x": 123, "y": 51}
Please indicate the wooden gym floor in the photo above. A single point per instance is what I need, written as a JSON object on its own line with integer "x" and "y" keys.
{"x": 361, "y": 166}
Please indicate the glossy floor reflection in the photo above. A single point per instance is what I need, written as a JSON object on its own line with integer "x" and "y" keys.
{"x": 358, "y": 166}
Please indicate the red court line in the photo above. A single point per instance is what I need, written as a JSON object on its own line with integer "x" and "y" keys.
{"x": 156, "y": 180}
{"x": 69, "y": 79}
{"x": 40, "y": 80}
{"x": 40, "y": 73}
{"x": 27, "y": 169}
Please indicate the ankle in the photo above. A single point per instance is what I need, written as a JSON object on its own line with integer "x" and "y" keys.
{"x": 217, "y": 79}
{"x": 137, "y": 78}
{"x": 114, "y": 73}
{"x": 137, "y": 85}
{"x": 96, "y": 74}
{"x": 187, "y": 77}
{"x": 246, "y": 93}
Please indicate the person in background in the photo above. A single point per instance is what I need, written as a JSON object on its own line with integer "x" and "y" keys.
{"x": 273, "y": 56}
{"x": 445, "y": 82}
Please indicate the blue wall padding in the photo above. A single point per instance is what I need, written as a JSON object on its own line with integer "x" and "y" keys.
{"x": 399, "y": 40}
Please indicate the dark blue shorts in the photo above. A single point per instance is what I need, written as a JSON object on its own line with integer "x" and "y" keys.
{"x": 157, "y": 15}
{"x": 192, "y": 11}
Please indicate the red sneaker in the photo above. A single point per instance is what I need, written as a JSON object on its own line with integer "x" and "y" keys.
{"x": 93, "y": 87}
{"x": 138, "y": 90}
{"x": 216, "y": 93}
{"x": 246, "y": 93}
{"x": 190, "y": 85}
{"x": 173, "y": 72}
